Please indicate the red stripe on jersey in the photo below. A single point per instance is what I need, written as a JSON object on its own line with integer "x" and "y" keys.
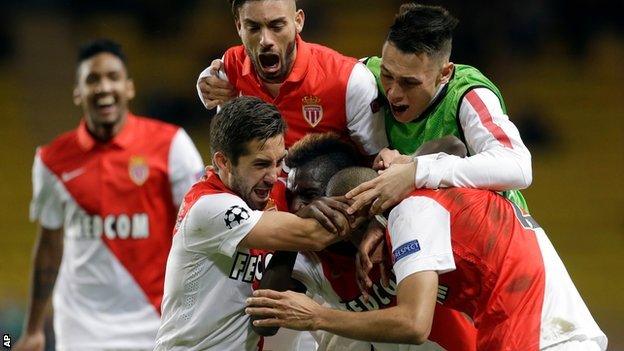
{"x": 116, "y": 181}
{"x": 486, "y": 118}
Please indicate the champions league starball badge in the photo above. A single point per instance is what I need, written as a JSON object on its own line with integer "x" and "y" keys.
{"x": 235, "y": 215}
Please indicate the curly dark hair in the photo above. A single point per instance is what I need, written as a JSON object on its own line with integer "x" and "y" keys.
{"x": 98, "y": 46}
{"x": 236, "y": 5}
{"x": 321, "y": 144}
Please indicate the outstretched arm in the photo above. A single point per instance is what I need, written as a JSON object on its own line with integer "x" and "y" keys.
{"x": 408, "y": 322}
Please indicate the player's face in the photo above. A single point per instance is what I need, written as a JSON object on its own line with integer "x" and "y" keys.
{"x": 268, "y": 29}
{"x": 411, "y": 81}
{"x": 257, "y": 171}
{"x": 103, "y": 90}
{"x": 307, "y": 186}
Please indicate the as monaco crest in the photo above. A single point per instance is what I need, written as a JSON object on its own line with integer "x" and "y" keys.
{"x": 138, "y": 169}
{"x": 312, "y": 110}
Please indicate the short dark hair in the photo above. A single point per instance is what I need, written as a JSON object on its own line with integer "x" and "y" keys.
{"x": 347, "y": 179}
{"x": 236, "y": 5}
{"x": 240, "y": 121}
{"x": 98, "y": 46}
{"x": 325, "y": 151}
{"x": 422, "y": 29}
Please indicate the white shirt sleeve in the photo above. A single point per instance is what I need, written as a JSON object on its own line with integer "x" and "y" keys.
{"x": 420, "y": 235}
{"x": 500, "y": 160}
{"x": 185, "y": 165}
{"x": 217, "y": 223}
{"x": 367, "y": 129}
{"x": 205, "y": 74}
{"x": 46, "y": 205}
{"x": 306, "y": 271}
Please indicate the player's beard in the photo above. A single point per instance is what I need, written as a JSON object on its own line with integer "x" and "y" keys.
{"x": 245, "y": 191}
{"x": 286, "y": 63}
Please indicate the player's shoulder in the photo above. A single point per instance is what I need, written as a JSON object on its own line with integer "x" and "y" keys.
{"x": 154, "y": 128}
{"x": 329, "y": 57}
{"x": 418, "y": 201}
{"x": 63, "y": 147}
{"x": 235, "y": 54}
{"x": 452, "y": 199}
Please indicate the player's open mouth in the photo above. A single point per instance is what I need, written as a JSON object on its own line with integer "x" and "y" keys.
{"x": 262, "y": 193}
{"x": 398, "y": 109}
{"x": 270, "y": 62}
{"x": 105, "y": 104}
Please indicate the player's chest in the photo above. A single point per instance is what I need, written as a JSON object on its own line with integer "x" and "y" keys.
{"x": 105, "y": 181}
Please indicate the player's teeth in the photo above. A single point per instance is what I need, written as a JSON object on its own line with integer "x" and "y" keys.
{"x": 108, "y": 100}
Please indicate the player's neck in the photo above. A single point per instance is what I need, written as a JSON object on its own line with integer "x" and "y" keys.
{"x": 273, "y": 88}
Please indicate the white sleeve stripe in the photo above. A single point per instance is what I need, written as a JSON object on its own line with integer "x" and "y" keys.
{"x": 486, "y": 119}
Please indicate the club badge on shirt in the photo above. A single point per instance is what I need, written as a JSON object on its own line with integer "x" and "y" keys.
{"x": 138, "y": 169}
{"x": 312, "y": 110}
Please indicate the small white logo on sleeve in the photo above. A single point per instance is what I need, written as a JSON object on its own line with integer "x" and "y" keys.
{"x": 410, "y": 247}
{"x": 67, "y": 176}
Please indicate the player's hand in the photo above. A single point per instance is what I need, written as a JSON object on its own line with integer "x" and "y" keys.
{"x": 331, "y": 213}
{"x": 388, "y": 157}
{"x": 388, "y": 189}
{"x": 371, "y": 252}
{"x": 283, "y": 309}
{"x": 214, "y": 90}
{"x": 34, "y": 341}
{"x": 449, "y": 144}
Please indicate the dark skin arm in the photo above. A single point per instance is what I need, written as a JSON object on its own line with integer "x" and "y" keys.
{"x": 47, "y": 255}
{"x": 277, "y": 276}
{"x": 331, "y": 214}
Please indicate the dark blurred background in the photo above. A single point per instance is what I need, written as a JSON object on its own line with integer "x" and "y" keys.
{"x": 558, "y": 64}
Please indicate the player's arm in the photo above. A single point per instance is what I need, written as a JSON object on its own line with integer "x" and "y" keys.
{"x": 47, "y": 255}
{"x": 409, "y": 322}
{"x": 365, "y": 124}
{"x": 185, "y": 166}
{"x": 224, "y": 222}
{"x": 449, "y": 144}
{"x": 499, "y": 161}
{"x": 47, "y": 209}
{"x": 213, "y": 86}
{"x": 419, "y": 256}
{"x": 277, "y": 276}
{"x": 285, "y": 231}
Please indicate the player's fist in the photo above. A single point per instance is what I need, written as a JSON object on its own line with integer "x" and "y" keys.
{"x": 31, "y": 342}
{"x": 212, "y": 86}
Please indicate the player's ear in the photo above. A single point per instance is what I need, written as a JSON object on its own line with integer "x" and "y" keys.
{"x": 221, "y": 162}
{"x": 446, "y": 72}
{"x": 299, "y": 20}
{"x": 238, "y": 25}
{"x": 130, "y": 89}
{"x": 76, "y": 96}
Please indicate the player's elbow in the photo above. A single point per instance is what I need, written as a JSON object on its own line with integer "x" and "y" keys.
{"x": 264, "y": 331}
{"x": 524, "y": 178}
{"x": 418, "y": 332}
